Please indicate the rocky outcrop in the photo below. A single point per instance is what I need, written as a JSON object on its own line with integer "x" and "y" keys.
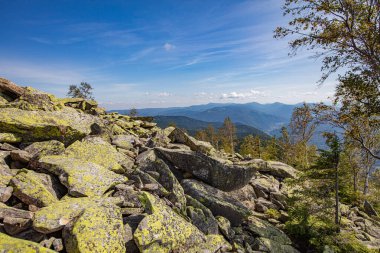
{"x": 220, "y": 203}
{"x": 74, "y": 178}
{"x": 219, "y": 173}
{"x": 66, "y": 125}
{"x": 82, "y": 178}
{"x": 165, "y": 231}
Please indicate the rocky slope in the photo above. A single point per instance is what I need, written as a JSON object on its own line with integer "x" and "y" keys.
{"x": 76, "y": 179}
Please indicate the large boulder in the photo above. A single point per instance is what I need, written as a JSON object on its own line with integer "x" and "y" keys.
{"x": 66, "y": 125}
{"x": 80, "y": 177}
{"x": 149, "y": 163}
{"x": 261, "y": 228}
{"x": 98, "y": 151}
{"x": 14, "y": 245}
{"x": 262, "y": 244}
{"x": 34, "y": 188}
{"x": 165, "y": 231}
{"x": 97, "y": 229}
{"x": 54, "y": 217}
{"x": 201, "y": 216}
{"x": 219, "y": 202}
{"x": 216, "y": 172}
{"x": 45, "y": 148}
{"x": 368, "y": 208}
{"x": 179, "y": 136}
{"x": 10, "y": 90}
{"x": 5, "y": 171}
{"x": 11, "y": 212}
{"x": 278, "y": 169}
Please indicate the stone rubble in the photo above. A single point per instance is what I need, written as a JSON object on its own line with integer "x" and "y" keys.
{"x": 74, "y": 178}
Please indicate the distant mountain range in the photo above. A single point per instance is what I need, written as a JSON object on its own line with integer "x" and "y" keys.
{"x": 264, "y": 117}
{"x": 193, "y": 125}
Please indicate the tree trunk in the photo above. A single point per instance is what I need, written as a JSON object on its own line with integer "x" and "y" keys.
{"x": 336, "y": 196}
{"x": 366, "y": 182}
{"x": 367, "y": 174}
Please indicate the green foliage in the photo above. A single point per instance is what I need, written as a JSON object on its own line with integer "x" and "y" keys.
{"x": 344, "y": 32}
{"x": 273, "y": 213}
{"x": 84, "y": 90}
{"x": 227, "y": 135}
{"x": 133, "y": 112}
{"x": 251, "y": 146}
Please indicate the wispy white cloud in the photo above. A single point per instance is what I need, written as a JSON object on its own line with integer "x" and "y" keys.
{"x": 243, "y": 95}
{"x": 169, "y": 47}
{"x": 164, "y": 94}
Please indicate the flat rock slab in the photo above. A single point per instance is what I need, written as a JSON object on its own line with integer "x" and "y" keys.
{"x": 66, "y": 125}
{"x": 279, "y": 169}
{"x": 7, "y": 211}
{"x": 80, "y": 177}
{"x": 219, "y": 202}
{"x": 14, "y": 245}
{"x": 98, "y": 229}
{"x": 179, "y": 136}
{"x": 34, "y": 188}
{"x": 98, "y": 151}
{"x": 223, "y": 176}
{"x": 54, "y": 217}
{"x": 165, "y": 231}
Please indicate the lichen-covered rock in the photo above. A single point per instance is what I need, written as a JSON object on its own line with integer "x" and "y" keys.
{"x": 264, "y": 185}
{"x": 368, "y": 209}
{"x": 279, "y": 169}
{"x": 261, "y": 228}
{"x": 13, "y": 245}
{"x": 219, "y": 202}
{"x": 267, "y": 245}
{"x": 34, "y": 188}
{"x": 165, "y": 177}
{"x": 21, "y": 156}
{"x": 16, "y": 225}
{"x": 10, "y": 138}
{"x": 54, "y": 217}
{"x": 80, "y": 177}
{"x": 45, "y": 148}
{"x": 98, "y": 151}
{"x": 223, "y": 176}
{"x": 5, "y": 193}
{"x": 125, "y": 141}
{"x": 10, "y": 90}
{"x": 7, "y": 211}
{"x": 245, "y": 195}
{"x": 201, "y": 216}
{"x": 179, "y": 136}
{"x": 66, "y": 125}
{"x": 165, "y": 231}
{"x": 5, "y": 171}
{"x": 96, "y": 230}
{"x": 224, "y": 226}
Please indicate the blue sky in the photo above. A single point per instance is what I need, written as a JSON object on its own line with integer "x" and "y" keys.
{"x": 163, "y": 53}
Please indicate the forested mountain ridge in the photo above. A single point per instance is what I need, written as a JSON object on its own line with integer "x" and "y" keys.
{"x": 266, "y": 117}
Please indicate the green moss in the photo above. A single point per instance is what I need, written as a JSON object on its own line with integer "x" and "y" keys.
{"x": 13, "y": 245}
{"x": 273, "y": 213}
